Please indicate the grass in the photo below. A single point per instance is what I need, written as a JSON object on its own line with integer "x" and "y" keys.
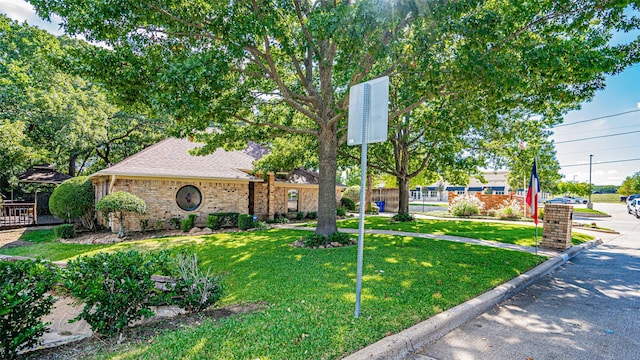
{"x": 492, "y": 231}
{"x": 588, "y": 211}
{"x": 605, "y": 198}
{"x": 309, "y": 295}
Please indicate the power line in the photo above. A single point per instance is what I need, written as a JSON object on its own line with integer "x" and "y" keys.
{"x": 597, "y": 137}
{"x": 598, "y": 118}
{"x": 601, "y": 162}
{"x": 602, "y": 150}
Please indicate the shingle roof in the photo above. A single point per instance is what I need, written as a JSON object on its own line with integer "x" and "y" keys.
{"x": 171, "y": 158}
{"x": 43, "y": 174}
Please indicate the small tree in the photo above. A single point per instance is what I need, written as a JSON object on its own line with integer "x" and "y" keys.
{"x": 120, "y": 203}
{"x": 73, "y": 199}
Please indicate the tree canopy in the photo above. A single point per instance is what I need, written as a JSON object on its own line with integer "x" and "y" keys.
{"x": 264, "y": 69}
{"x": 50, "y": 115}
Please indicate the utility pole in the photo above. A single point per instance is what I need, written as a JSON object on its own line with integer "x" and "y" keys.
{"x": 590, "y": 204}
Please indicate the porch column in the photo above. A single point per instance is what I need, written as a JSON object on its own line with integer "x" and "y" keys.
{"x": 271, "y": 195}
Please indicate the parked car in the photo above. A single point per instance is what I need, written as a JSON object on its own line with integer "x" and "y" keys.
{"x": 560, "y": 200}
{"x": 634, "y": 207}
{"x": 578, "y": 200}
{"x": 630, "y": 198}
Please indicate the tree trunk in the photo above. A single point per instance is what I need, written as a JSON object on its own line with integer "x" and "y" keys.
{"x": 403, "y": 195}
{"x": 72, "y": 165}
{"x": 367, "y": 194}
{"x": 327, "y": 150}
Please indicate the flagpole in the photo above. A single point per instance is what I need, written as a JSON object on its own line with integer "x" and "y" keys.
{"x": 535, "y": 161}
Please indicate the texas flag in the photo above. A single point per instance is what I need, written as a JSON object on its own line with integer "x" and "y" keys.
{"x": 532, "y": 193}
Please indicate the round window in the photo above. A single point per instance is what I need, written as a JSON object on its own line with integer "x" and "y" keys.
{"x": 188, "y": 198}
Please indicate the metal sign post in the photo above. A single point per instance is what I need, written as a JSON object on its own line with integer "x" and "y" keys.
{"x": 368, "y": 122}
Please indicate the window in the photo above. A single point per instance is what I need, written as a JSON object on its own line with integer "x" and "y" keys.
{"x": 188, "y": 198}
{"x": 292, "y": 201}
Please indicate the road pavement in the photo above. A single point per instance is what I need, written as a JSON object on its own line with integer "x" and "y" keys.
{"x": 588, "y": 308}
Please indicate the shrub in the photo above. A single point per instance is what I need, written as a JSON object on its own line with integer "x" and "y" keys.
{"x": 186, "y": 224}
{"x": 245, "y": 221}
{"x": 491, "y": 213}
{"x": 352, "y": 192}
{"x": 279, "y": 219}
{"x": 541, "y": 213}
{"x": 74, "y": 199}
{"x": 341, "y": 211}
{"x": 340, "y": 237}
{"x": 466, "y": 205}
{"x": 348, "y": 203}
{"x": 23, "y": 301}
{"x": 175, "y": 222}
{"x": 158, "y": 224}
{"x": 261, "y": 225}
{"x": 312, "y": 215}
{"x": 65, "y": 231}
{"x": 116, "y": 288}
{"x": 120, "y": 203}
{"x": 403, "y": 218}
{"x": 144, "y": 225}
{"x": 372, "y": 209}
{"x": 212, "y": 222}
{"x": 195, "y": 290}
{"x": 227, "y": 219}
{"x": 509, "y": 210}
{"x": 299, "y": 215}
{"x": 313, "y": 240}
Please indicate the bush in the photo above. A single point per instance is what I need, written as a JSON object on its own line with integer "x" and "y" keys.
{"x": 279, "y": 219}
{"x": 313, "y": 240}
{"x": 340, "y": 237}
{"x": 261, "y": 225}
{"x": 509, "y": 210}
{"x": 23, "y": 301}
{"x": 74, "y": 199}
{"x": 65, "y": 231}
{"x": 491, "y": 213}
{"x": 227, "y": 219}
{"x": 466, "y": 205}
{"x": 299, "y": 215}
{"x": 186, "y": 224}
{"x": 120, "y": 203}
{"x": 541, "y": 213}
{"x": 144, "y": 225}
{"x": 195, "y": 290}
{"x": 245, "y": 221}
{"x": 348, "y": 203}
{"x": 403, "y": 218}
{"x": 352, "y": 192}
{"x": 312, "y": 215}
{"x": 341, "y": 211}
{"x": 212, "y": 222}
{"x": 175, "y": 223}
{"x": 116, "y": 288}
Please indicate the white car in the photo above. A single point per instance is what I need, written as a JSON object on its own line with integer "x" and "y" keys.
{"x": 634, "y": 207}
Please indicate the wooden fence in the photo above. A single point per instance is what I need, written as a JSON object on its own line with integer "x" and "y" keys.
{"x": 17, "y": 214}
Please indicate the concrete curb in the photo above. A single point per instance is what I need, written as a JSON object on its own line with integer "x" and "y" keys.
{"x": 400, "y": 345}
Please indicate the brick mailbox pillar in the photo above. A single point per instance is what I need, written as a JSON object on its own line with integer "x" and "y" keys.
{"x": 556, "y": 233}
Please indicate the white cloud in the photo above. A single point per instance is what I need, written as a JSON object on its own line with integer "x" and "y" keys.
{"x": 22, "y": 11}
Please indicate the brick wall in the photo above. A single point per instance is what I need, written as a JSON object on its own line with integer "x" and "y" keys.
{"x": 556, "y": 232}
{"x": 493, "y": 201}
{"x": 160, "y": 197}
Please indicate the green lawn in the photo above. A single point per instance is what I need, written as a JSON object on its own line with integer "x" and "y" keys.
{"x": 588, "y": 211}
{"x": 493, "y": 231}
{"x": 605, "y": 198}
{"x": 308, "y": 295}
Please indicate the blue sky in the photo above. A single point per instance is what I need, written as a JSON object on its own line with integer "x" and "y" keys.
{"x": 622, "y": 94}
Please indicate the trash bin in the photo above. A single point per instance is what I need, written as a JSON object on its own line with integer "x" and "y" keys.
{"x": 380, "y": 205}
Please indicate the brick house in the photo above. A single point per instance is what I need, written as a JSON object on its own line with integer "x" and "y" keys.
{"x": 175, "y": 184}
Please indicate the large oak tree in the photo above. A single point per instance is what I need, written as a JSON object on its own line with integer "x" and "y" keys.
{"x": 262, "y": 69}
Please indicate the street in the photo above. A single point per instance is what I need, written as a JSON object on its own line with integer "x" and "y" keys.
{"x": 587, "y": 309}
